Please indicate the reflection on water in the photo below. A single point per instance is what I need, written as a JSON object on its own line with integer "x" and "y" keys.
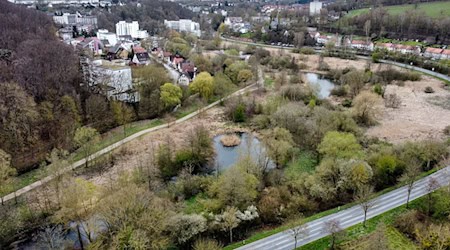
{"x": 228, "y": 156}
{"x": 323, "y": 85}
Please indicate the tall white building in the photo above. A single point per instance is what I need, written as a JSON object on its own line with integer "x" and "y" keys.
{"x": 315, "y": 7}
{"x": 130, "y": 29}
{"x": 184, "y": 25}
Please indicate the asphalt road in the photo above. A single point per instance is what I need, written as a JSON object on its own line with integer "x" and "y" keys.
{"x": 111, "y": 147}
{"x": 350, "y": 216}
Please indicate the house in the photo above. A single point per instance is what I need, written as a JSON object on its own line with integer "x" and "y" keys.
{"x": 117, "y": 52}
{"x": 445, "y": 54}
{"x": 166, "y": 55}
{"x": 434, "y": 53}
{"x": 140, "y": 56}
{"x": 363, "y": 45}
{"x": 322, "y": 39}
{"x": 406, "y": 49}
{"x": 92, "y": 44}
{"x": 183, "y": 80}
{"x": 189, "y": 69}
{"x": 385, "y": 46}
{"x": 104, "y": 34}
{"x": 176, "y": 61}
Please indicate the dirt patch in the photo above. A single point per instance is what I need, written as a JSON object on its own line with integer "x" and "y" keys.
{"x": 417, "y": 118}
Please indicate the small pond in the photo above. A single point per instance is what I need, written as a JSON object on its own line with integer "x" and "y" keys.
{"x": 324, "y": 86}
{"x": 228, "y": 156}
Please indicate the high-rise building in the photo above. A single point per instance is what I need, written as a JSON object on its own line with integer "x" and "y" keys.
{"x": 184, "y": 25}
{"x": 130, "y": 29}
{"x": 315, "y": 7}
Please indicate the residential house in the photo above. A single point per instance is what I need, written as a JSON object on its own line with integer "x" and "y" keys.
{"x": 188, "y": 72}
{"x": 93, "y": 44}
{"x": 385, "y": 46}
{"x": 407, "y": 49}
{"x": 104, "y": 34}
{"x": 445, "y": 54}
{"x": 434, "y": 53}
{"x": 176, "y": 61}
{"x": 140, "y": 56}
{"x": 363, "y": 45}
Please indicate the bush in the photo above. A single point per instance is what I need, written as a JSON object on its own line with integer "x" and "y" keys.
{"x": 339, "y": 91}
{"x": 378, "y": 89}
{"x": 239, "y": 113}
{"x": 447, "y": 130}
{"x": 406, "y": 222}
{"x": 296, "y": 93}
{"x": 307, "y": 51}
{"x": 429, "y": 90}
{"x": 347, "y": 103}
{"x": 392, "y": 101}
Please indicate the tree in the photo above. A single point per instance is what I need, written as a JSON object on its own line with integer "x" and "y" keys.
{"x": 149, "y": 79}
{"x": 279, "y": 144}
{"x": 432, "y": 185}
{"x": 6, "y": 171}
{"x": 244, "y": 75}
{"x": 298, "y": 230}
{"x": 355, "y": 79}
{"x": 340, "y": 145}
{"x": 363, "y": 197}
{"x": 203, "y": 84}
{"x": 77, "y": 202}
{"x": 230, "y": 221}
{"x": 58, "y": 160}
{"x": 236, "y": 187}
{"x": 85, "y": 138}
{"x": 123, "y": 114}
{"x": 334, "y": 229}
{"x": 52, "y": 237}
{"x": 412, "y": 171}
{"x": 184, "y": 227}
{"x": 367, "y": 107}
{"x": 170, "y": 95}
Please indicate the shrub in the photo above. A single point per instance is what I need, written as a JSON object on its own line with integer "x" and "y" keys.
{"x": 406, "y": 223}
{"x": 307, "y": 51}
{"x": 378, "y": 89}
{"x": 339, "y": 91}
{"x": 447, "y": 130}
{"x": 392, "y": 101}
{"x": 296, "y": 93}
{"x": 239, "y": 113}
{"x": 429, "y": 90}
{"x": 347, "y": 103}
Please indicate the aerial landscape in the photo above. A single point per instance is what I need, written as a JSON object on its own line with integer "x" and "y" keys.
{"x": 225, "y": 124}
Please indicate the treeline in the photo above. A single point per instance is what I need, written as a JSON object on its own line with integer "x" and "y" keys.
{"x": 411, "y": 24}
{"x": 355, "y": 4}
{"x": 150, "y": 15}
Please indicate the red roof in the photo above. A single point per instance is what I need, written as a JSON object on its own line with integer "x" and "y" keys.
{"x": 434, "y": 50}
{"x": 177, "y": 60}
{"x": 167, "y": 54}
{"x": 187, "y": 67}
{"x": 138, "y": 49}
{"x": 446, "y": 52}
{"x": 360, "y": 42}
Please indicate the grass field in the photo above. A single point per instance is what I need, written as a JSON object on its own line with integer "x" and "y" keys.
{"x": 433, "y": 9}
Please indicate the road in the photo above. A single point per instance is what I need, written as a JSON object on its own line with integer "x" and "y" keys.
{"x": 350, "y": 216}
{"x": 120, "y": 143}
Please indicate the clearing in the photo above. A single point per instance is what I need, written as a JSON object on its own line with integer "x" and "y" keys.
{"x": 433, "y": 9}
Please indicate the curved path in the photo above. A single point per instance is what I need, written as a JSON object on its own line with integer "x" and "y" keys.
{"x": 351, "y": 216}
{"x": 120, "y": 143}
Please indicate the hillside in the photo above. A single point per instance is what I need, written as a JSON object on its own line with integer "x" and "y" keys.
{"x": 433, "y": 9}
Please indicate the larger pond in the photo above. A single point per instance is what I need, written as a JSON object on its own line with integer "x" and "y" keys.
{"x": 228, "y": 156}
{"x": 322, "y": 85}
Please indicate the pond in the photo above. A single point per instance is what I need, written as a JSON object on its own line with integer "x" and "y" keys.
{"x": 228, "y": 156}
{"x": 324, "y": 86}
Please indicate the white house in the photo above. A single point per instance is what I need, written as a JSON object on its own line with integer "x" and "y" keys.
{"x": 359, "y": 44}
{"x": 434, "y": 53}
{"x": 104, "y": 34}
{"x": 184, "y": 25}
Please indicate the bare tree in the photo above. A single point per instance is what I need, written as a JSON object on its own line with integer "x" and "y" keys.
{"x": 410, "y": 175}
{"x": 52, "y": 237}
{"x": 334, "y": 229}
{"x": 298, "y": 230}
{"x": 363, "y": 197}
{"x": 432, "y": 185}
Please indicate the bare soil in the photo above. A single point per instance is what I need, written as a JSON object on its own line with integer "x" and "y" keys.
{"x": 417, "y": 118}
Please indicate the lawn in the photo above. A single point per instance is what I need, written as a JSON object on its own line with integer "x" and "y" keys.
{"x": 433, "y": 9}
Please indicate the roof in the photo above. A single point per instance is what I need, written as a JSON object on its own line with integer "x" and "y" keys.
{"x": 360, "y": 42}
{"x": 167, "y": 54}
{"x": 178, "y": 60}
{"x": 446, "y": 52}
{"x": 187, "y": 67}
{"x": 434, "y": 50}
{"x": 139, "y": 49}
